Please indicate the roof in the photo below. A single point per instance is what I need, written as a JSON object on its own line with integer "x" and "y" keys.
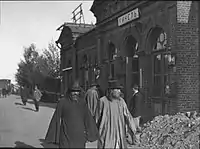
{"x": 95, "y": 3}
{"x": 78, "y": 28}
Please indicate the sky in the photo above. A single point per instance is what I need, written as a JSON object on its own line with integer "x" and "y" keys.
{"x": 23, "y": 23}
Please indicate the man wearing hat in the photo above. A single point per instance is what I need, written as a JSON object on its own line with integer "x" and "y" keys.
{"x": 92, "y": 98}
{"x": 113, "y": 116}
{"x": 72, "y": 124}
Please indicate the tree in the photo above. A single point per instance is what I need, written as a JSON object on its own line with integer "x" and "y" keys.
{"x": 26, "y": 68}
{"x": 50, "y": 60}
{"x": 35, "y": 67}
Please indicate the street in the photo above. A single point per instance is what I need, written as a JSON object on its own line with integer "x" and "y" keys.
{"x": 22, "y": 127}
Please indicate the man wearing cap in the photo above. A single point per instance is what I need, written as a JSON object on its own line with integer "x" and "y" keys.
{"x": 92, "y": 98}
{"x": 72, "y": 124}
{"x": 113, "y": 116}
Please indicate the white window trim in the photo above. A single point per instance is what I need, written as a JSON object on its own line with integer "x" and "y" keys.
{"x": 66, "y": 69}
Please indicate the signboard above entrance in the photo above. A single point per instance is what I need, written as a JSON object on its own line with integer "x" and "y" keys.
{"x": 130, "y": 16}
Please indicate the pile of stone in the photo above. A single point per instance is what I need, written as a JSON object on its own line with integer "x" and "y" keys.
{"x": 180, "y": 131}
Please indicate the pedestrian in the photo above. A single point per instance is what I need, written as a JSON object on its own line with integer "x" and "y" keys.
{"x": 137, "y": 105}
{"x": 92, "y": 98}
{"x": 113, "y": 116}
{"x": 24, "y": 94}
{"x": 36, "y": 97}
{"x": 72, "y": 124}
{"x": 4, "y": 92}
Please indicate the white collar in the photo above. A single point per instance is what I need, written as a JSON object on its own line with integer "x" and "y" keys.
{"x": 135, "y": 92}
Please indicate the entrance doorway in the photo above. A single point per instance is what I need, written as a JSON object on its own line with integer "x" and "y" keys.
{"x": 132, "y": 64}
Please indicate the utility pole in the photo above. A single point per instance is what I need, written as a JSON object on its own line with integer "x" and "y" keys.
{"x": 78, "y": 15}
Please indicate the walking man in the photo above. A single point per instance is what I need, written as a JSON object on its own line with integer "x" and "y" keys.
{"x": 36, "y": 97}
{"x": 72, "y": 124}
{"x": 24, "y": 94}
{"x": 113, "y": 116}
{"x": 92, "y": 98}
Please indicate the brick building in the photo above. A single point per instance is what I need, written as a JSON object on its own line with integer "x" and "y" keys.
{"x": 66, "y": 42}
{"x": 150, "y": 43}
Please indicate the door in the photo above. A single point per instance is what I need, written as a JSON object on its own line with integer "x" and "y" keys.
{"x": 160, "y": 83}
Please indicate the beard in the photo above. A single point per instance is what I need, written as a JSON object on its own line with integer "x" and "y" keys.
{"x": 74, "y": 97}
{"x": 114, "y": 95}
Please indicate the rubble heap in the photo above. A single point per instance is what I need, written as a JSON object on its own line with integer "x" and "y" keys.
{"x": 180, "y": 131}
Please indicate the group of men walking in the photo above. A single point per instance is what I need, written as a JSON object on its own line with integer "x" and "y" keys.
{"x": 81, "y": 117}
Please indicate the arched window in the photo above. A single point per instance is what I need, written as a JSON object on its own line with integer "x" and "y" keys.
{"x": 160, "y": 67}
{"x": 131, "y": 49}
{"x": 161, "y": 73}
{"x": 112, "y": 51}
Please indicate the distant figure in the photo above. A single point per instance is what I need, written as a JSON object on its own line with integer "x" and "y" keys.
{"x": 4, "y": 93}
{"x": 24, "y": 94}
{"x": 36, "y": 97}
{"x": 0, "y": 92}
{"x": 72, "y": 123}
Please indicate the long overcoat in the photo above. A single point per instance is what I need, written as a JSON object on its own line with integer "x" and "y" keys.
{"x": 71, "y": 125}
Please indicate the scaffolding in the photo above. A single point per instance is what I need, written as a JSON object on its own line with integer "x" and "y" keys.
{"x": 78, "y": 15}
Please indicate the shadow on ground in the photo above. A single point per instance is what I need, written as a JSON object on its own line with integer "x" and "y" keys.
{"x": 27, "y": 108}
{"x": 47, "y": 145}
{"x": 44, "y": 104}
{"x": 19, "y": 144}
{"x": 17, "y": 103}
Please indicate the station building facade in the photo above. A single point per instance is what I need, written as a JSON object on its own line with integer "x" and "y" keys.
{"x": 154, "y": 44}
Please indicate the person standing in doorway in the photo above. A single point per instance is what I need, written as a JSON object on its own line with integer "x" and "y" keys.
{"x": 36, "y": 97}
{"x": 136, "y": 105}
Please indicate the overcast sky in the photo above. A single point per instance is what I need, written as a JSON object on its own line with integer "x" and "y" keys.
{"x": 23, "y": 23}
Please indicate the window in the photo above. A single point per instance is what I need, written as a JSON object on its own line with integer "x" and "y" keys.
{"x": 85, "y": 71}
{"x": 94, "y": 68}
{"x": 161, "y": 42}
{"x": 69, "y": 63}
{"x": 160, "y": 63}
{"x": 112, "y": 54}
{"x": 135, "y": 71}
{"x": 112, "y": 70}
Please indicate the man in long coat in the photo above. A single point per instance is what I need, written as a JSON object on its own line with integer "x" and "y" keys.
{"x": 72, "y": 123}
{"x": 136, "y": 105}
{"x": 112, "y": 118}
{"x": 92, "y": 98}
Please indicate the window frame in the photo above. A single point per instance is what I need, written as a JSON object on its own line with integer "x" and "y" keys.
{"x": 163, "y": 67}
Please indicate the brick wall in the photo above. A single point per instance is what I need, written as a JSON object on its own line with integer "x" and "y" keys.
{"x": 172, "y": 43}
{"x": 187, "y": 56}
